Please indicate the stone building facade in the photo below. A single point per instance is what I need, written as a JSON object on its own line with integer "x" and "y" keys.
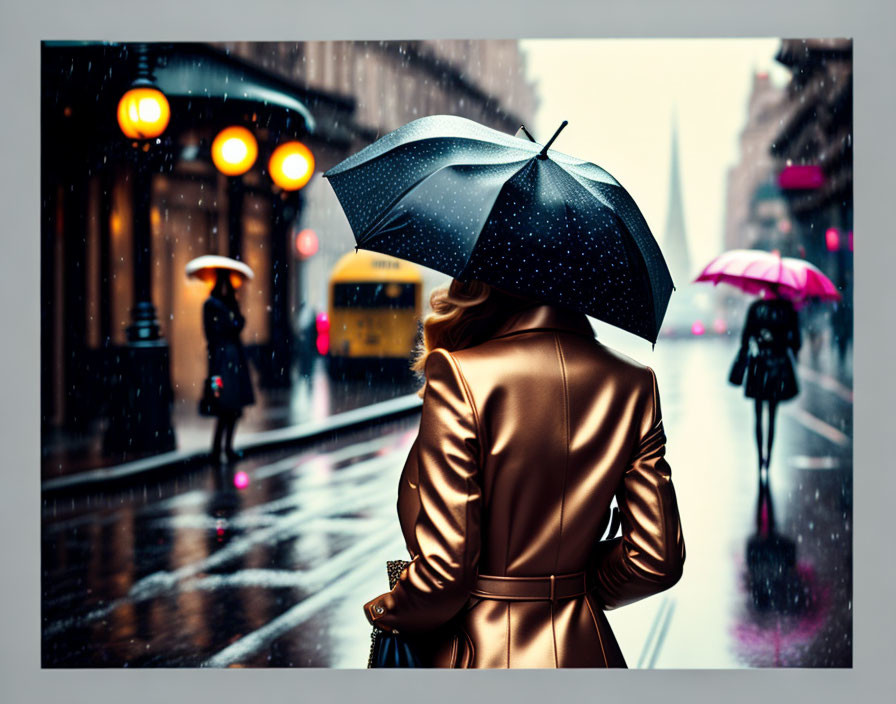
{"x": 766, "y": 112}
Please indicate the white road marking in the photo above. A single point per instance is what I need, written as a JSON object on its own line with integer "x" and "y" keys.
{"x": 661, "y": 636}
{"x": 818, "y": 463}
{"x": 342, "y": 454}
{"x": 305, "y": 491}
{"x": 348, "y": 475}
{"x": 657, "y": 634}
{"x": 288, "y": 527}
{"x": 818, "y": 426}
{"x": 298, "y": 614}
{"x": 199, "y": 497}
{"x": 651, "y": 634}
{"x": 826, "y": 382}
{"x": 239, "y": 523}
{"x": 299, "y": 579}
{"x": 301, "y": 462}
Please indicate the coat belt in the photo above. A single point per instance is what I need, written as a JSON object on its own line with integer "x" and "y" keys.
{"x": 550, "y": 588}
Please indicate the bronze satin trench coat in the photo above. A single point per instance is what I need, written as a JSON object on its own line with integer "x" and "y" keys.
{"x": 523, "y": 442}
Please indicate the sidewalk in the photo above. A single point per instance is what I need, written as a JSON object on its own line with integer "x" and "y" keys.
{"x": 312, "y": 406}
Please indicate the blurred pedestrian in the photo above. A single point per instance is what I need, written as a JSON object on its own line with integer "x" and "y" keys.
{"x": 529, "y": 427}
{"x": 771, "y": 336}
{"x": 815, "y": 323}
{"x": 223, "y": 322}
{"x": 841, "y": 324}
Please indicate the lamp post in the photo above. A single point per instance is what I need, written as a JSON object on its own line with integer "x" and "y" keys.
{"x": 144, "y": 379}
{"x": 234, "y": 151}
{"x": 290, "y": 167}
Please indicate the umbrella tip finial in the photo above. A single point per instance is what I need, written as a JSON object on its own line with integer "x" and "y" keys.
{"x": 525, "y": 132}
{"x": 356, "y": 249}
{"x": 543, "y": 154}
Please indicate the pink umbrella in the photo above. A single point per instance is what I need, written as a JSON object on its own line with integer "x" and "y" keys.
{"x": 753, "y": 270}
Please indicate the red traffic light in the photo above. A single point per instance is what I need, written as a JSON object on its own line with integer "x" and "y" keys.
{"x": 832, "y": 239}
{"x": 322, "y": 324}
{"x": 306, "y": 243}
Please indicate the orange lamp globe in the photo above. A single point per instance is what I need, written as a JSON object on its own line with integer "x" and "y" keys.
{"x": 291, "y": 166}
{"x": 143, "y": 113}
{"x": 234, "y": 151}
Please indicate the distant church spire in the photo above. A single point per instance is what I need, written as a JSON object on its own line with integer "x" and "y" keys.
{"x": 675, "y": 242}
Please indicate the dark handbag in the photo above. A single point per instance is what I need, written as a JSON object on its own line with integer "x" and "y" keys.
{"x": 211, "y": 394}
{"x": 390, "y": 649}
{"x": 736, "y": 377}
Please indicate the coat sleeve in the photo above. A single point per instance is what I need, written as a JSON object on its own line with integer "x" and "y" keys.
{"x": 439, "y": 579}
{"x": 650, "y": 555}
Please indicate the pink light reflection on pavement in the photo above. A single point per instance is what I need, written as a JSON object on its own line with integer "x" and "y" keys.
{"x": 774, "y": 639}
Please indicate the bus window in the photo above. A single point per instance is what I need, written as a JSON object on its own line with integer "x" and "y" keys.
{"x": 374, "y": 295}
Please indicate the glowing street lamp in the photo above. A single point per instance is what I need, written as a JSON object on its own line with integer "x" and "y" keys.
{"x": 234, "y": 151}
{"x": 291, "y": 166}
{"x": 143, "y": 112}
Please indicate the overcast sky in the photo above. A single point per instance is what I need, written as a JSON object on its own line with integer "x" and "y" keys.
{"x": 619, "y": 96}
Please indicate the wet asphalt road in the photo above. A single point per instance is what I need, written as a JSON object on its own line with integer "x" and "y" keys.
{"x": 267, "y": 563}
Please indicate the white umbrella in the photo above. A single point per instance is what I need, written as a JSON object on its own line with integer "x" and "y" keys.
{"x": 203, "y": 267}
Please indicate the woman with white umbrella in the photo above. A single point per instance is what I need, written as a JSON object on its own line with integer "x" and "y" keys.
{"x": 228, "y": 387}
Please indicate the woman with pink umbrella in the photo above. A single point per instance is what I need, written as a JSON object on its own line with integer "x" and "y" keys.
{"x": 771, "y": 335}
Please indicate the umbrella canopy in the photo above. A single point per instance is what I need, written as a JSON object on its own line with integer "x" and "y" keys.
{"x": 469, "y": 201}
{"x": 754, "y": 270}
{"x": 206, "y": 266}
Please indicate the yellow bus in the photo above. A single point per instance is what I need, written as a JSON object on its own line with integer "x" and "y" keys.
{"x": 375, "y": 305}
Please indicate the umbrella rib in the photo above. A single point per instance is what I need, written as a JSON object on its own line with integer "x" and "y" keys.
{"x": 609, "y": 207}
{"x": 574, "y": 168}
{"x": 363, "y": 160}
{"x": 488, "y": 215}
{"x": 369, "y": 233}
{"x": 574, "y": 178}
{"x": 635, "y": 210}
{"x": 642, "y": 270}
{"x": 625, "y": 245}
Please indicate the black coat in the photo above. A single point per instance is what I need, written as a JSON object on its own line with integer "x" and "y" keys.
{"x": 770, "y": 334}
{"x": 226, "y": 355}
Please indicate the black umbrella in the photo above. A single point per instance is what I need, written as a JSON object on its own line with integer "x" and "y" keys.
{"x": 469, "y": 201}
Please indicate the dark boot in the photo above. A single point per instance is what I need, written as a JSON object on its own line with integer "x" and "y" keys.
{"x": 216, "y": 456}
{"x": 231, "y": 453}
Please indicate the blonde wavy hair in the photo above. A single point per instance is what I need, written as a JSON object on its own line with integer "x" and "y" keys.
{"x": 464, "y": 314}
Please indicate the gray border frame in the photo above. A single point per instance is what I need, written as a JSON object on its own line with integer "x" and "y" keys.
{"x": 868, "y": 22}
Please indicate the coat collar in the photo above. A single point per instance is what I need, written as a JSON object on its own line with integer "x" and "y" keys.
{"x": 545, "y": 317}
